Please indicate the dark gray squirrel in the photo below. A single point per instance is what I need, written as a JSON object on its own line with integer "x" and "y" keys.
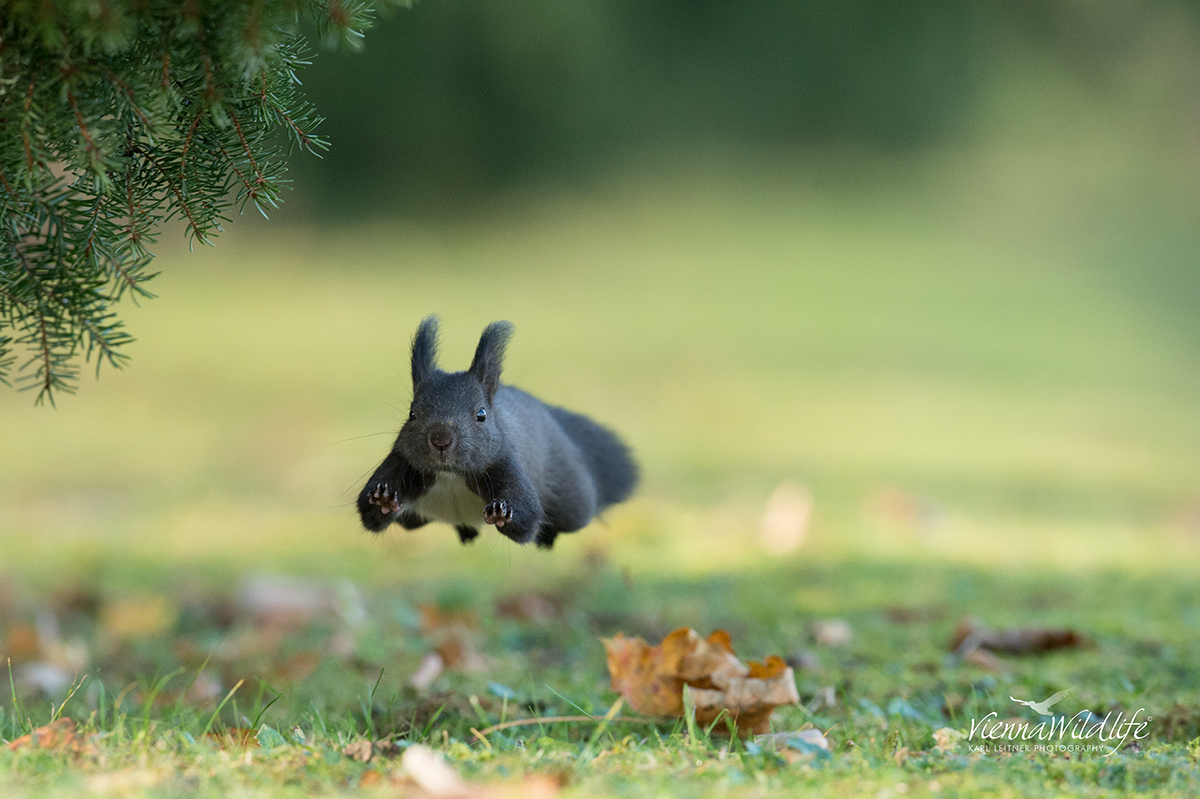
{"x": 475, "y": 452}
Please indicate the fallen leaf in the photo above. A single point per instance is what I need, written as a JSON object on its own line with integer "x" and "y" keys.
{"x": 269, "y": 738}
{"x": 138, "y": 616}
{"x": 946, "y": 739}
{"x": 651, "y": 678}
{"x": 431, "y": 772}
{"x": 972, "y": 634}
{"x": 299, "y": 667}
{"x": 437, "y": 779}
{"x": 21, "y": 643}
{"x": 637, "y": 673}
{"x": 453, "y": 635}
{"x": 430, "y": 669}
{"x": 784, "y": 522}
{"x": 364, "y": 751}
{"x": 985, "y": 660}
{"x": 359, "y": 750}
{"x": 900, "y": 614}
{"x": 530, "y": 606}
{"x": 832, "y": 632}
{"x": 58, "y": 736}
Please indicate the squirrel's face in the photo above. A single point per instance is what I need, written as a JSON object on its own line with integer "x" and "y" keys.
{"x": 451, "y": 425}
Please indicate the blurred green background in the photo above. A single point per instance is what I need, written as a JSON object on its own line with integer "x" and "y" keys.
{"x": 937, "y": 264}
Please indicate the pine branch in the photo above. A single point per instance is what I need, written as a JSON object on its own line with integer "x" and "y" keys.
{"x": 153, "y": 110}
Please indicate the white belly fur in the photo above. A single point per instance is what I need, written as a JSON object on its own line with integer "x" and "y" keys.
{"x": 450, "y": 501}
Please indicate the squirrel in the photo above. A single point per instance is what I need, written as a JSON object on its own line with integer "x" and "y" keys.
{"x": 475, "y": 452}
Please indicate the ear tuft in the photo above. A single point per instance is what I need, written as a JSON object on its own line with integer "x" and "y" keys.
{"x": 489, "y": 356}
{"x": 424, "y": 350}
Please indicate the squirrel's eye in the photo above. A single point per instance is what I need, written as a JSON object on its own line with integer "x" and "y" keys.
{"x": 481, "y": 415}
{"x": 412, "y": 415}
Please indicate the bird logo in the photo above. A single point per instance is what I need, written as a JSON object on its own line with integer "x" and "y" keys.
{"x": 1043, "y": 707}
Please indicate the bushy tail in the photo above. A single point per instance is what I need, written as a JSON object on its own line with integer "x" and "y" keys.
{"x": 608, "y": 459}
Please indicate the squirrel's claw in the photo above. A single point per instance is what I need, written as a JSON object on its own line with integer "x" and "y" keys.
{"x": 497, "y": 512}
{"x": 385, "y": 499}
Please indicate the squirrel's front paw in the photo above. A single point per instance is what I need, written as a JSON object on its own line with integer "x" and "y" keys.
{"x": 497, "y": 512}
{"x": 385, "y": 498}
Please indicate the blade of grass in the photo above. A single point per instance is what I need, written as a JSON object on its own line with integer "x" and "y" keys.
{"x": 572, "y": 704}
{"x": 689, "y": 715}
{"x": 18, "y": 713}
{"x": 178, "y": 710}
{"x": 212, "y": 719}
{"x": 368, "y": 709}
{"x": 265, "y": 708}
{"x": 586, "y": 753}
{"x": 76, "y": 684}
{"x": 432, "y": 719}
{"x": 154, "y": 692}
{"x": 478, "y": 708}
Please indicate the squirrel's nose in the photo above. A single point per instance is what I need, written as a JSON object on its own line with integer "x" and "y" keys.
{"x": 440, "y": 439}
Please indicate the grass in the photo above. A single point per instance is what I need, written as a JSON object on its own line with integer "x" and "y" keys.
{"x": 1020, "y": 370}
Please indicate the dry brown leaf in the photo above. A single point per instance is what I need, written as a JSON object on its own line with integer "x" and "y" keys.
{"x": 651, "y": 678}
{"x": 531, "y": 606}
{"x": 21, "y": 643}
{"x": 299, "y": 667}
{"x": 364, "y": 751}
{"x": 985, "y": 660}
{"x": 58, "y": 736}
{"x": 919, "y": 614}
{"x": 972, "y": 634}
{"x": 359, "y": 750}
{"x": 453, "y": 635}
{"x": 638, "y": 673}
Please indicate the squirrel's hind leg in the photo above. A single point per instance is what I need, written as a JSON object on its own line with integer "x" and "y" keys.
{"x": 466, "y": 534}
{"x": 410, "y": 521}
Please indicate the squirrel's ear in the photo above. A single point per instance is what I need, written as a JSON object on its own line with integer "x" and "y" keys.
{"x": 489, "y": 356}
{"x": 424, "y": 350}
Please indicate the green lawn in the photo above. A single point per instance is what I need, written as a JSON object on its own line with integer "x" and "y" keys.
{"x": 987, "y": 378}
